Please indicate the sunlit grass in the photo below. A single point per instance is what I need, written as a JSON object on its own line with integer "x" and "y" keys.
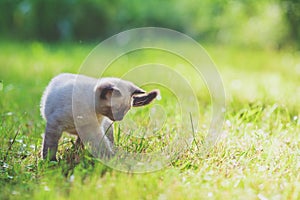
{"x": 256, "y": 158}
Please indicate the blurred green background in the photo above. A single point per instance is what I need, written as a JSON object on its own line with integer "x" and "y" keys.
{"x": 255, "y": 45}
{"x": 265, "y": 23}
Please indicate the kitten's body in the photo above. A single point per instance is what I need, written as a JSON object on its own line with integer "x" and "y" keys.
{"x": 93, "y": 103}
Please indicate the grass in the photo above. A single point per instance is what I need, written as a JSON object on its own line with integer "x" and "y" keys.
{"x": 258, "y": 156}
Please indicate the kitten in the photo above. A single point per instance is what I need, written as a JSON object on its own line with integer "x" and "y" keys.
{"x": 92, "y": 104}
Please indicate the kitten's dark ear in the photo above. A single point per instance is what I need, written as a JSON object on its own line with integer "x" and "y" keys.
{"x": 144, "y": 99}
{"x": 106, "y": 90}
{"x": 138, "y": 91}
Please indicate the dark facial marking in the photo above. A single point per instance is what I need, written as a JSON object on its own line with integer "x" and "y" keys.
{"x": 108, "y": 92}
{"x": 105, "y": 91}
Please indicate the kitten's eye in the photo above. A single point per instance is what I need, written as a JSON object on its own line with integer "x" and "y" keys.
{"x": 116, "y": 93}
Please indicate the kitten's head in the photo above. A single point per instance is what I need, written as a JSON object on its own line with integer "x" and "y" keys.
{"x": 114, "y": 97}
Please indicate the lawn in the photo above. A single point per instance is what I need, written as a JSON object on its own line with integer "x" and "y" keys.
{"x": 257, "y": 157}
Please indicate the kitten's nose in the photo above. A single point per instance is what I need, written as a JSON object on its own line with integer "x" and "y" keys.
{"x": 118, "y": 116}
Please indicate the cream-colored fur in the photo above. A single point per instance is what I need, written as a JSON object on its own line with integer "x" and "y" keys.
{"x": 92, "y": 104}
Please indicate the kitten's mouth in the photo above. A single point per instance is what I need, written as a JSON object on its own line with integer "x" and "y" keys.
{"x": 117, "y": 116}
{"x": 144, "y": 99}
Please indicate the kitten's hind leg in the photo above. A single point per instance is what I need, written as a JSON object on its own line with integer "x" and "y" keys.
{"x": 50, "y": 143}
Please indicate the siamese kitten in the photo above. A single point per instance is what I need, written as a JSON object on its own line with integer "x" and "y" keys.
{"x": 92, "y": 104}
